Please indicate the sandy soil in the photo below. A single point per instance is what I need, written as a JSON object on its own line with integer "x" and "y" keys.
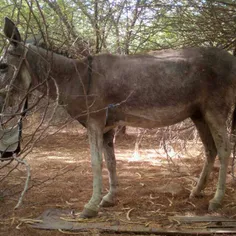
{"x": 151, "y": 187}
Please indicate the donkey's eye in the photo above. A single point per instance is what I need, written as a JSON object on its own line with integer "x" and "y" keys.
{"x": 3, "y": 67}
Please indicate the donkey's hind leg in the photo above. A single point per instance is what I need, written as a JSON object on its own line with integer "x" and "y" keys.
{"x": 210, "y": 153}
{"x": 108, "y": 148}
{"x": 217, "y": 125}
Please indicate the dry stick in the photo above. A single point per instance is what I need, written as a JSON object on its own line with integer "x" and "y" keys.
{"x": 9, "y": 172}
{"x": 24, "y": 162}
{"x": 15, "y": 74}
{"x": 41, "y": 134}
{"x": 6, "y": 159}
{"x": 44, "y": 115}
{"x": 169, "y": 159}
{"x": 128, "y": 214}
{"x": 138, "y": 141}
{"x": 84, "y": 89}
{"x": 58, "y": 174}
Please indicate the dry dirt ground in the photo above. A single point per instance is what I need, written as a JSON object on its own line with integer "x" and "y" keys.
{"x": 151, "y": 187}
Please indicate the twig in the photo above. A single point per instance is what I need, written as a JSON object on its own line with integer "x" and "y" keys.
{"x": 170, "y": 202}
{"x": 27, "y": 179}
{"x": 191, "y": 204}
{"x": 128, "y": 213}
{"x": 6, "y": 159}
{"x": 81, "y": 220}
{"x": 30, "y": 221}
{"x": 138, "y": 174}
{"x": 151, "y": 197}
{"x": 9, "y": 172}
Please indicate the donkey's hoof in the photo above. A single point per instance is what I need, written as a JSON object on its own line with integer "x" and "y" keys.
{"x": 106, "y": 203}
{"x": 87, "y": 213}
{"x": 213, "y": 206}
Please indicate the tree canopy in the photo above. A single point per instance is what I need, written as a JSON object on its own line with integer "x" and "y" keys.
{"x": 124, "y": 26}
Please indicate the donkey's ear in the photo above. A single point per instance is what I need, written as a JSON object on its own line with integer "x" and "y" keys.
{"x": 11, "y": 32}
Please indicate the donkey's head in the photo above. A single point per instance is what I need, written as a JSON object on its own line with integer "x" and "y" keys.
{"x": 14, "y": 75}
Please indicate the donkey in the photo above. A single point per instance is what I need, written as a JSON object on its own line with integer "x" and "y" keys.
{"x": 148, "y": 91}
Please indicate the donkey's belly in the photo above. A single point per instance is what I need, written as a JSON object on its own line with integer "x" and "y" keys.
{"x": 157, "y": 117}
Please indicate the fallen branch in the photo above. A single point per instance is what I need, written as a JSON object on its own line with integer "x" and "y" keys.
{"x": 24, "y": 162}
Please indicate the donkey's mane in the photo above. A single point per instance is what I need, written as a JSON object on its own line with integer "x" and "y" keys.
{"x": 62, "y": 49}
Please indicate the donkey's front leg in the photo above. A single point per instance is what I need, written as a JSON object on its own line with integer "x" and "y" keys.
{"x": 96, "y": 148}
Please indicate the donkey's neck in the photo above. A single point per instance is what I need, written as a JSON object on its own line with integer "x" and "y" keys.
{"x": 55, "y": 72}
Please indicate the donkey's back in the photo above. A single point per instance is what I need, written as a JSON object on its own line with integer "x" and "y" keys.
{"x": 165, "y": 87}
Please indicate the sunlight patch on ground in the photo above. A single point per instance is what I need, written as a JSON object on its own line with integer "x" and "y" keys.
{"x": 58, "y": 157}
{"x": 66, "y": 159}
{"x": 153, "y": 156}
{"x": 144, "y": 155}
{"x": 62, "y": 158}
